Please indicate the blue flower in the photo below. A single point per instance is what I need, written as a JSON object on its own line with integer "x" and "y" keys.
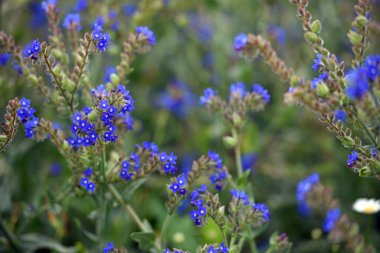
{"x": 146, "y": 34}
{"x": 32, "y": 49}
{"x": 211, "y": 249}
{"x": 103, "y": 104}
{"x": 109, "y": 71}
{"x": 223, "y": 248}
{"x": 81, "y": 5}
{"x": 262, "y": 92}
{"x": 352, "y": 158}
{"x": 373, "y": 152}
{"x": 104, "y": 42}
{"x": 240, "y": 41}
{"x": 371, "y": 65}
{"x": 340, "y": 115}
{"x": 55, "y": 169}
{"x": 303, "y": 188}
{"x": 240, "y": 196}
{"x": 72, "y": 20}
{"x": 129, "y": 9}
{"x": 109, "y": 247}
{"x": 322, "y": 77}
{"x": 215, "y": 157}
{"x": 263, "y": 210}
{"x": 278, "y": 33}
{"x": 4, "y": 58}
{"x": 249, "y": 161}
{"x": 207, "y": 97}
{"x": 317, "y": 62}
{"x": 48, "y": 4}
{"x": 237, "y": 90}
{"x": 332, "y": 216}
{"x": 358, "y": 85}
{"x": 88, "y": 172}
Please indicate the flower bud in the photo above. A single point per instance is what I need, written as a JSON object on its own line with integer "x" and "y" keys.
{"x": 115, "y": 79}
{"x": 354, "y": 38}
{"x": 365, "y": 172}
{"x": 229, "y": 141}
{"x": 311, "y": 37}
{"x": 316, "y": 26}
{"x": 362, "y": 20}
{"x": 322, "y": 89}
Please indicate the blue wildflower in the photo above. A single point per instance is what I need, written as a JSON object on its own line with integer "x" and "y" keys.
{"x": 109, "y": 71}
{"x": 207, "y": 97}
{"x": 357, "y": 83}
{"x": 223, "y": 248}
{"x": 317, "y": 62}
{"x": 322, "y": 77}
{"x": 303, "y": 188}
{"x": 38, "y": 18}
{"x": 72, "y": 20}
{"x": 129, "y": 9}
{"x": 371, "y": 65}
{"x": 332, "y": 216}
{"x": 352, "y": 158}
{"x": 4, "y": 58}
{"x": 237, "y": 90}
{"x": 48, "y": 4}
{"x": 88, "y": 172}
{"x": 249, "y": 161}
{"x": 240, "y": 196}
{"x": 104, "y": 42}
{"x": 240, "y": 41}
{"x": 373, "y": 152}
{"x": 340, "y": 115}
{"x": 109, "y": 247}
{"x": 55, "y": 169}
{"x": 263, "y": 210}
{"x": 81, "y": 5}
{"x": 278, "y": 33}
{"x": 257, "y": 88}
{"x": 146, "y": 34}
{"x": 99, "y": 22}
{"x": 32, "y": 49}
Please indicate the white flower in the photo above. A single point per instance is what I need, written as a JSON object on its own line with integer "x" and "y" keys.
{"x": 367, "y": 206}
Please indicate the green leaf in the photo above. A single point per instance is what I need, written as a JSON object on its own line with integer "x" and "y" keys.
{"x": 33, "y": 242}
{"x": 144, "y": 239}
{"x": 133, "y": 187}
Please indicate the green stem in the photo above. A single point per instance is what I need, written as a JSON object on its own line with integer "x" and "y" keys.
{"x": 9, "y": 236}
{"x": 241, "y": 243}
{"x": 252, "y": 245}
{"x": 131, "y": 212}
{"x": 162, "y": 238}
{"x": 232, "y": 241}
{"x": 366, "y": 130}
{"x": 239, "y": 167}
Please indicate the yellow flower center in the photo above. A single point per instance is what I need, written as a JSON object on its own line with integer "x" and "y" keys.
{"x": 369, "y": 209}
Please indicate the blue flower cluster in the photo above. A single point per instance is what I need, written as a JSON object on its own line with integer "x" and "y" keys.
{"x": 26, "y": 114}
{"x": 83, "y": 130}
{"x": 318, "y": 80}
{"x": 48, "y": 4}
{"x": 262, "y": 92}
{"x": 169, "y": 162}
{"x": 103, "y": 39}
{"x": 72, "y": 20}
{"x": 221, "y": 249}
{"x": 177, "y": 98}
{"x": 129, "y": 9}
{"x": 358, "y": 81}
{"x": 85, "y": 181}
{"x": 207, "y": 97}
{"x": 240, "y": 41}
{"x": 237, "y": 90}
{"x": 303, "y": 188}
{"x": 146, "y": 34}
{"x": 262, "y": 209}
{"x": 240, "y": 196}
{"x": 219, "y": 174}
{"x": 109, "y": 247}
{"x": 317, "y": 62}
{"x": 332, "y": 216}
{"x": 4, "y": 58}
{"x": 340, "y": 115}
{"x": 178, "y": 185}
{"x": 198, "y": 214}
{"x": 352, "y": 158}
{"x": 32, "y": 49}
{"x": 81, "y": 5}
{"x": 130, "y": 166}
